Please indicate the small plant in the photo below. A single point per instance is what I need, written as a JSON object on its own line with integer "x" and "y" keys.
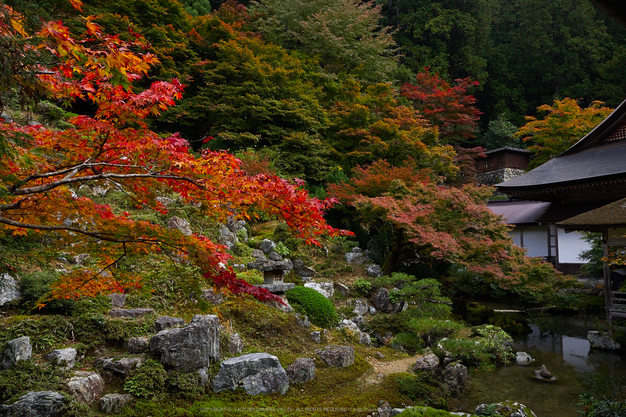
{"x": 318, "y": 308}
{"x": 146, "y": 380}
{"x": 282, "y": 250}
{"x": 28, "y": 376}
{"x": 423, "y": 388}
{"x": 186, "y": 384}
{"x": 602, "y": 396}
{"x": 361, "y": 287}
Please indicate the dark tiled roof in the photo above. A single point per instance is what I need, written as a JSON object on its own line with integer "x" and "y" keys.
{"x": 507, "y": 148}
{"x": 610, "y": 215}
{"x": 591, "y": 163}
{"x": 519, "y": 212}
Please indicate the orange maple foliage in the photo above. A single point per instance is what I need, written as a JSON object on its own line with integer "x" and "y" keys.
{"x": 43, "y": 169}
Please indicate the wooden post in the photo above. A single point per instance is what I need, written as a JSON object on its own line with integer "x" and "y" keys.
{"x": 607, "y": 278}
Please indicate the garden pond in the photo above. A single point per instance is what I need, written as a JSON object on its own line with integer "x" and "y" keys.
{"x": 559, "y": 343}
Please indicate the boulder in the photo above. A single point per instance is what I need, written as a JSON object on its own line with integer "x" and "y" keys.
{"x": 428, "y": 363}
{"x": 337, "y": 356}
{"x": 16, "y": 350}
{"x": 179, "y": 224}
{"x": 117, "y": 299}
{"x": 9, "y": 289}
{"x": 113, "y": 403}
{"x": 86, "y": 387}
{"x": 64, "y": 357}
{"x": 303, "y": 321}
{"x": 130, "y": 312}
{"x": 121, "y": 366}
{"x": 227, "y": 237}
{"x": 267, "y": 381}
{"x": 35, "y": 404}
{"x": 316, "y": 336}
{"x": 360, "y": 307}
{"x": 235, "y": 344}
{"x": 213, "y": 297}
{"x": 259, "y": 255}
{"x": 523, "y": 358}
{"x": 138, "y": 344}
{"x": 301, "y": 370}
{"x": 166, "y": 322}
{"x": 381, "y": 301}
{"x": 257, "y": 372}
{"x": 374, "y": 271}
{"x": 191, "y": 347}
{"x": 359, "y": 321}
{"x": 267, "y": 246}
{"x": 302, "y": 270}
{"x": 602, "y": 340}
{"x": 355, "y": 258}
{"x": 342, "y": 289}
{"x": 349, "y": 324}
{"x": 505, "y": 409}
{"x": 325, "y": 288}
{"x": 453, "y": 378}
{"x": 365, "y": 339}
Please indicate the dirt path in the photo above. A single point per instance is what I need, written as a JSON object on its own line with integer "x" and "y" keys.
{"x": 382, "y": 369}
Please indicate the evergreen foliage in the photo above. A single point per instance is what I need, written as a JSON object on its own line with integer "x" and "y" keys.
{"x": 318, "y": 308}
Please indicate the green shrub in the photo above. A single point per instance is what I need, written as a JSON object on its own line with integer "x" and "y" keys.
{"x": 146, "y": 380}
{"x": 409, "y": 341}
{"x": 185, "y": 384}
{"x": 318, "y": 308}
{"x": 28, "y": 376}
{"x": 602, "y": 396}
{"x": 282, "y": 250}
{"x": 361, "y": 287}
{"x": 36, "y": 285}
{"x": 422, "y": 388}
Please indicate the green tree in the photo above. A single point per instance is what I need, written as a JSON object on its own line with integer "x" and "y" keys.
{"x": 500, "y": 133}
{"x": 197, "y": 7}
{"x": 344, "y": 34}
{"x": 559, "y": 126}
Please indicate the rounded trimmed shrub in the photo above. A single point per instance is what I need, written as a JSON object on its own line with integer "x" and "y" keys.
{"x": 318, "y": 308}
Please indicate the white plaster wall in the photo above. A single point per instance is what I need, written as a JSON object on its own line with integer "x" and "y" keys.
{"x": 536, "y": 240}
{"x": 571, "y": 245}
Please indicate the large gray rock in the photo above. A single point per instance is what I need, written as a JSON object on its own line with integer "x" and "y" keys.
{"x": 179, "y": 224}
{"x": 325, "y": 288}
{"x": 16, "y": 350}
{"x": 117, "y": 299}
{"x": 258, "y": 254}
{"x": 508, "y": 408}
{"x": 121, "y": 366}
{"x": 256, "y": 372}
{"x": 130, "y": 312}
{"x": 235, "y": 344}
{"x": 227, "y": 237}
{"x": 86, "y": 387}
{"x": 360, "y": 307}
{"x": 274, "y": 256}
{"x": 302, "y": 270}
{"x": 523, "y": 358}
{"x": 342, "y": 289}
{"x": 428, "y": 363}
{"x": 166, "y": 322}
{"x": 602, "y": 340}
{"x": 9, "y": 289}
{"x": 35, "y": 404}
{"x": 374, "y": 271}
{"x": 138, "y": 344}
{"x": 65, "y": 357}
{"x": 113, "y": 403}
{"x": 267, "y": 246}
{"x": 349, "y": 324}
{"x": 381, "y": 301}
{"x": 453, "y": 378}
{"x": 365, "y": 339}
{"x": 337, "y": 356}
{"x": 267, "y": 381}
{"x": 301, "y": 370}
{"x": 191, "y": 347}
{"x": 355, "y": 258}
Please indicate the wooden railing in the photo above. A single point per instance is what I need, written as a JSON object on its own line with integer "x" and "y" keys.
{"x": 618, "y": 304}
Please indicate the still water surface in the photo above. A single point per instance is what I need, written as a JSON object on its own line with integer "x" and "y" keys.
{"x": 559, "y": 343}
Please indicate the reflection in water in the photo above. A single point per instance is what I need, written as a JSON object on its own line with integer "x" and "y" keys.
{"x": 559, "y": 343}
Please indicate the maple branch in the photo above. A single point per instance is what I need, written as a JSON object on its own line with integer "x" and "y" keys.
{"x": 64, "y": 181}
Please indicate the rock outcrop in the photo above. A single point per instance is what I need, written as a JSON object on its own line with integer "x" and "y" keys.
{"x": 257, "y": 373}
